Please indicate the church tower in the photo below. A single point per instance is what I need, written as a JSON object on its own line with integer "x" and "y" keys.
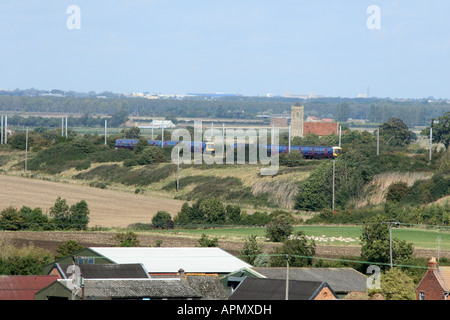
{"x": 297, "y": 115}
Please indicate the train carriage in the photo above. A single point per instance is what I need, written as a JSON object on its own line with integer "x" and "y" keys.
{"x": 308, "y": 152}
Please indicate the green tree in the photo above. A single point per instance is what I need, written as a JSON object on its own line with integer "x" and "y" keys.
{"x": 67, "y": 248}
{"x": 118, "y": 118}
{"x": 26, "y": 260}
{"x": 397, "y": 133}
{"x": 183, "y": 218}
{"x": 262, "y": 260}
{"x": 11, "y": 219}
{"x": 441, "y": 130}
{"x": 132, "y": 133}
{"x": 60, "y": 213}
{"x": 280, "y": 228}
{"x": 298, "y": 251}
{"x": 205, "y": 241}
{"x": 342, "y": 112}
{"x": 397, "y": 191}
{"x": 397, "y": 285}
{"x": 251, "y": 249}
{"x": 126, "y": 239}
{"x": 375, "y": 245}
{"x": 35, "y": 219}
{"x": 74, "y": 217}
{"x": 213, "y": 211}
{"x": 162, "y": 220}
{"x": 79, "y": 215}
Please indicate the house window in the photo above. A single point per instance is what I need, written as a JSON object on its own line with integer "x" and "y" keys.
{"x": 422, "y": 296}
{"x": 91, "y": 260}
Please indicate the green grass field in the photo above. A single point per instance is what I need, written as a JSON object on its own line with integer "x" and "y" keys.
{"x": 344, "y": 235}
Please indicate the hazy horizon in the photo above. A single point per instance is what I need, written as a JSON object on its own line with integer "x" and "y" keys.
{"x": 245, "y": 47}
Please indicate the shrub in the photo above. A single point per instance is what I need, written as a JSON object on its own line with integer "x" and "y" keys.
{"x": 128, "y": 239}
{"x": 251, "y": 249}
{"x": 162, "y": 220}
{"x": 205, "y": 241}
{"x": 83, "y": 165}
{"x": 67, "y": 248}
{"x": 397, "y": 191}
{"x": 280, "y": 228}
{"x": 298, "y": 251}
{"x": 150, "y": 155}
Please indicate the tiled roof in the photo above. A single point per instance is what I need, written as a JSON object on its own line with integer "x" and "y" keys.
{"x": 104, "y": 271}
{"x": 275, "y": 289}
{"x": 339, "y": 279}
{"x": 320, "y": 128}
{"x": 209, "y": 286}
{"x": 23, "y": 287}
{"x": 136, "y": 288}
{"x": 443, "y": 276}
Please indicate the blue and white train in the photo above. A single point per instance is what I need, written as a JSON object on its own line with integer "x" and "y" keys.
{"x": 308, "y": 152}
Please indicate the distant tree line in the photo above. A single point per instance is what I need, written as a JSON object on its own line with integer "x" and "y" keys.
{"x": 412, "y": 112}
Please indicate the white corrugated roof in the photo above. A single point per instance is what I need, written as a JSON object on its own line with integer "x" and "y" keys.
{"x": 170, "y": 260}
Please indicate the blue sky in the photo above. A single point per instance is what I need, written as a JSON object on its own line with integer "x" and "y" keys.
{"x": 250, "y": 47}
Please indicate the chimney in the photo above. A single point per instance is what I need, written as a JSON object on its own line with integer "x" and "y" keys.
{"x": 182, "y": 274}
{"x": 432, "y": 264}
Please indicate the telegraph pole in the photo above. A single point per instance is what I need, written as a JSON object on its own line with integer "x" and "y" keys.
{"x": 340, "y": 133}
{"x": 106, "y": 130}
{"x": 334, "y": 177}
{"x": 6, "y": 130}
{"x": 390, "y": 238}
{"x": 287, "y": 277}
{"x": 431, "y": 140}
{"x": 378, "y": 141}
{"x": 162, "y": 135}
{"x": 289, "y": 150}
{"x": 178, "y": 169}
{"x": 438, "y": 251}
{"x": 26, "y": 151}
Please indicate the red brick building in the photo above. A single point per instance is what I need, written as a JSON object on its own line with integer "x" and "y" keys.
{"x": 321, "y": 128}
{"x": 279, "y": 122}
{"x": 23, "y": 287}
{"x": 435, "y": 284}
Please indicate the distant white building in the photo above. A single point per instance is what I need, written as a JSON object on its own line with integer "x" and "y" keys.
{"x": 167, "y": 124}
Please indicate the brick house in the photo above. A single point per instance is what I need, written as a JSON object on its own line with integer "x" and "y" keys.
{"x": 321, "y": 128}
{"x": 279, "y": 122}
{"x": 23, "y": 287}
{"x": 435, "y": 284}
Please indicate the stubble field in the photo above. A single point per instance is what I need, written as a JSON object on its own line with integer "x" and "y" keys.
{"x": 108, "y": 208}
{"x": 118, "y": 209}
